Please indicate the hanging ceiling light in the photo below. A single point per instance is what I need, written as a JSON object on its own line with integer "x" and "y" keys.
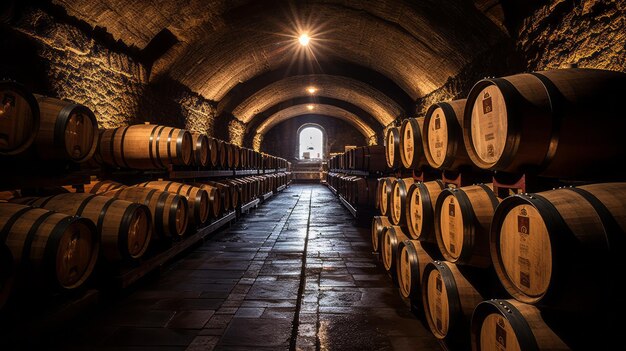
{"x": 304, "y": 39}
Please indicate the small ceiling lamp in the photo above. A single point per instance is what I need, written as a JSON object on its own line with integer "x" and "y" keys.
{"x": 304, "y": 39}
{"x": 310, "y": 107}
{"x": 311, "y": 90}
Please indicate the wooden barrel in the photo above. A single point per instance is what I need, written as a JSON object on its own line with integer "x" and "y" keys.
{"x": 443, "y": 136}
{"x": 19, "y": 118}
{"x": 385, "y": 196}
{"x": 398, "y": 200}
{"x": 392, "y": 237}
{"x": 53, "y": 249}
{"x": 510, "y": 325}
{"x": 462, "y": 220}
{"x": 169, "y": 211}
{"x": 236, "y": 155}
{"x": 412, "y": 260}
{"x": 392, "y": 146}
{"x": 7, "y": 274}
{"x": 544, "y": 246}
{"x": 420, "y": 210}
{"x": 449, "y": 300}
{"x": 374, "y": 158}
{"x": 67, "y": 131}
{"x": 243, "y": 152}
{"x": 102, "y": 186}
{"x": 197, "y": 199}
{"x": 534, "y": 122}
{"x": 222, "y": 155}
{"x": 200, "y": 147}
{"x": 214, "y": 152}
{"x": 411, "y": 143}
{"x": 226, "y": 195}
{"x": 146, "y": 146}
{"x": 124, "y": 227}
{"x": 379, "y": 224}
{"x": 215, "y": 199}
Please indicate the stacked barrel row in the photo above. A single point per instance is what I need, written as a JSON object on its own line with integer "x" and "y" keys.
{"x": 54, "y": 242}
{"x": 38, "y": 128}
{"x": 360, "y": 192}
{"x": 364, "y": 158}
{"x": 450, "y": 250}
{"x": 156, "y": 147}
{"x": 35, "y": 128}
{"x": 530, "y": 123}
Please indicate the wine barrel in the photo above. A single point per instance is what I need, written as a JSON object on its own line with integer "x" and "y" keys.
{"x": 146, "y": 146}
{"x": 371, "y": 158}
{"x": 215, "y": 199}
{"x": 420, "y": 210}
{"x": 124, "y": 227}
{"x": 103, "y": 186}
{"x": 169, "y": 211}
{"x": 55, "y": 250}
{"x": 236, "y": 155}
{"x": 411, "y": 143}
{"x": 443, "y": 136}
{"x": 222, "y": 155}
{"x": 225, "y": 194}
{"x": 412, "y": 260}
{"x": 213, "y": 152}
{"x": 19, "y": 118}
{"x": 543, "y": 246}
{"x": 449, "y": 300}
{"x": 392, "y": 237}
{"x": 385, "y": 196}
{"x": 200, "y": 147}
{"x": 243, "y": 152}
{"x": 197, "y": 199}
{"x": 534, "y": 122}
{"x": 7, "y": 274}
{"x": 462, "y": 220}
{"x": 398, "y": 200}
{"x": 379, "y": 224}
{"x": 512, "y": 325}
{"x": 67, "y": 131}
{"x": 393, "y": 148}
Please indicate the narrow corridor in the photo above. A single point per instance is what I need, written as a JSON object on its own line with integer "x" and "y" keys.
{"x": 246, "y": 289}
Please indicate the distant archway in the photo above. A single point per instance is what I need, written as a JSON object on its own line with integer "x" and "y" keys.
{"x": 311, "y": 142}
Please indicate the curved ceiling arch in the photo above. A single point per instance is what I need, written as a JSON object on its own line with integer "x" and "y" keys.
{"x": 365, "y": 117}
{"x": 320, "y": 109}
{"x": 349, "y": 70}
{"x": 423, "y": 51}
{"x": 362, "y": 95}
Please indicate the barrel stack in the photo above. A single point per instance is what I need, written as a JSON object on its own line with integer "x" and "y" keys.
{"x": 517, "y": 235}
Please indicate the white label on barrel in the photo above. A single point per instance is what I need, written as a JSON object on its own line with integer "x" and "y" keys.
{"x": 489, "y": 125}
{"x": 451, "y": 227}
{"x": 525, "y": 250}
{"x": 496, "y": 334}
{"x": 438, "y": 137}
{"x": 416, "y": 210}
{"x": 390, "y": 148}
{"x": 408, "y": 143}
{"x": 438, "y": 304}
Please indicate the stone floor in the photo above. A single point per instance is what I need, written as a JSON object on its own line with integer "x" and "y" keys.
{"x": 246, "y": 289}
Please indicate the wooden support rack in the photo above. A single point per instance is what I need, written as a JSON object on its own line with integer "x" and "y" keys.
{"x": 130, "y": 276}
{"x": 246, "y": 207}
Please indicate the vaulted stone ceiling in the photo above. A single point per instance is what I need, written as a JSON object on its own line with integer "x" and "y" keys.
{"x": 223, "y": 45}
{"x": 318, "y": 109}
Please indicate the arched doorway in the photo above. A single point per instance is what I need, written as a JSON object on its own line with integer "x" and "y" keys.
{"x": 311, "y": 141}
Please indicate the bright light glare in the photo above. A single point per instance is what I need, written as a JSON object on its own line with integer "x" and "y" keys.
{"x": 311, "y": 90}
{"x": 304, "y": 39}
{"x": 310, "y": 107}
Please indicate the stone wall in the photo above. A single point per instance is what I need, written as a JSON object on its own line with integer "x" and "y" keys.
{"x": 59, "y": 59}
{"x": 589, "y": 33}
{"x": 282, "y": 140}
